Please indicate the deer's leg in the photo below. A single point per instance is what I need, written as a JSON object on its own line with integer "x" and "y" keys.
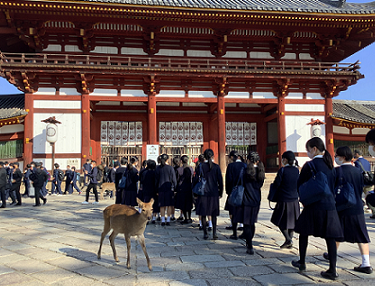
{"x": 128, "y": 246}
{"x": 106, "y": 229}
{"x": 112, "y": 241}
{"x": 141, "y": 239}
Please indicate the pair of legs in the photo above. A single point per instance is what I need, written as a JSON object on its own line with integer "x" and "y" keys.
{"x": 249, "y": 231}
{"x": 16, "y": 189}
{"x": 93, "y": 187}
{"x": 3, "y": 198}
{"x": 169, "y": 210}
{"x": 214, "y": 226}
{"x": 288, "y": 235}
{"x": 74, "y": 186}
{"x": 56, "y": 185}
{"x": 365, "y": 253}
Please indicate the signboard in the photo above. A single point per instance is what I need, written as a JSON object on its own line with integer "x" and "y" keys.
{"x": 152, "y": 152}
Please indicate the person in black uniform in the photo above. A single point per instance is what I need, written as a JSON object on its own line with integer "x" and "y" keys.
{"x": 16, "y": 182}
{"x": 208, "y": 204}
{"x": 69, "y": 179}
{"x": 129, "y": 194}
{"x": 353, "y": 219}
{"x": 37, "y": 178}
{"x": 176, "y": 165}
{"x": 26, "y": 180}
{"x": 56, "y": 180}
{"x": 232, "y": 176}
{"x": 93, "y": 175}
{"x": 120, "y": 170}
{"x": 370, "y": 197}
{"x": 76, "y": 178}
{"x": 252, "y": 179}
{"x": 112, "y": 174}
{"x": 287, "y": 208}
{"x": 165, "y": 182}
{"x": 147, "y": 191}
{"x": 184, "y": 195}
{"x": 3, "y": 184}
{"x": 319, "y": 219}
{"x": 86, "y": 167}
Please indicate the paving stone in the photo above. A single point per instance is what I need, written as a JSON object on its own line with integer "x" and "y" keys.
{"x": 184, "y": 266}
{"x": 69, "y": 263}
{"x": 192, "y": 282}
{"x": 127, "y": 280}
{"x": 202, "y": 258}
{"x": 79, "y": 281}
{"x": 31, "y": 266}
{"x": 246, "y": 271}
{"x": 55, "y": 275}
{"x": 212, "y": 273}
{"x": 161, "y": 277}
{"x": 14, "y": 278}
{"x": 5, "y": 270}
{"x": 283, "y": 279}
{"x": 235, "y": 281}
{"x": 226, "y": 264}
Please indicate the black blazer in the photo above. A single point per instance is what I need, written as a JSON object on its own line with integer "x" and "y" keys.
{"x": 286, "y": 184}
{"x": 214, "y": 178}
{"x": 232, "y": 175}
{"x": 252, "y": 193}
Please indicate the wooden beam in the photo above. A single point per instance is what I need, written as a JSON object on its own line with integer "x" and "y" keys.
{"x": 270, "y": 117}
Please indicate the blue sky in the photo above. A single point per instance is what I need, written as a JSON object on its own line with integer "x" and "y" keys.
{"x": 363, "y": 90}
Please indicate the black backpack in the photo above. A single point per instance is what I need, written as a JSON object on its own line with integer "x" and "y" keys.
{"x": 99, "y": 175}
{"x": 60, "y": 174}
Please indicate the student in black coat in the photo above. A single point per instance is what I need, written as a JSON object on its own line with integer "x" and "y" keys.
{"x": 16, "y": 182}
{"x": 353, "y": 219}
{"x": 38, "y": 177}
{"x": 129, "y": 194}
{"x": 208, "y": 204}
{"x": 120, "y": 170}
{"x": 147, "y": 190}
{"x": 68, "y": 180}
{"x": 232, "y": 176}
{"x": 319, "y": 219}
{"x": 287, "y": 208}
{"x": 93, "y": 177}
{"x": 184, "y": 195}
{"x": 76, "y": 178}
{"x": 112, "y": 174}
{"x": 252, "y": 180}
{"x": 165, "y": 182}
{"x": 56, "y": 180}
{"x": 3, "y": 184}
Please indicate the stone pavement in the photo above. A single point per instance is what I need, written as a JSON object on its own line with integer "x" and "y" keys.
{"x": 56, "y": 244}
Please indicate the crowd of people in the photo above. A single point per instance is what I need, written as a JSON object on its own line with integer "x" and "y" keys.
{"x": 171, "y": 187}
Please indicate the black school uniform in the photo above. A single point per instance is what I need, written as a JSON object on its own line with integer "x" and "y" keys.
{"x": 208, "y": 204}
{"x": 148, "y": 188}
{"x": 165, "y": 182}
{"x": 129, "y": 194}
{"x": 184, "y": 195}
{"x": 319, "y": 219}
{"x": 353, "y": 219}
{"x": 231, "y": 179}
{"x": 287, "y": 209}
{"x": 248, "y": 212}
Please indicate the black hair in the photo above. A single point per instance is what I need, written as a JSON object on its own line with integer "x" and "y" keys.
{"x": 185, "y": 160}
{"x": 124, "y": 161}
{"x": 16, "y": 164}
{"x": 176, "y": 161}
{"x": 56, "y": 165}
{"x": 144, "y": 163}
{"x": 158, "y": 159}
{"x": 290, "y": 157}
{"x": 208, "y": 154}
{"x": 151, "y": 165}
{"x": 201, "y": 158}
{"x": 344, "y": 151}
{"x": 370, "y": 137}
{"x": 1, "y": 163}
{"x": 132, "y": 161}
{"x": 73, "y": 168}
{"x": 28, "y": 166}
{"x": 251, "y": 172}
{"x": 318, "y": 143}
{"x": 93, "y": 162}
{"x": 359, "y": 152}
{"x": 163, "y": 159}
{"x": 6, "y": 162}
{"x": 116, "y": 164}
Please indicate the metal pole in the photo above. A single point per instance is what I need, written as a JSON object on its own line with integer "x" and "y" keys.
{"x": 53, "y": 155}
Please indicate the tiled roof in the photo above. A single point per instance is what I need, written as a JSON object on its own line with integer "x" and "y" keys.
{"x": 315, "y": 6}
{"x": 12, "y": 106}
{"x": 356, "y": 111}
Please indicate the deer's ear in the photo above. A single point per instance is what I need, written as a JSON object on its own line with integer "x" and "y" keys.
{"x": 151, "y": 202}
{"x": 139, "y": 202}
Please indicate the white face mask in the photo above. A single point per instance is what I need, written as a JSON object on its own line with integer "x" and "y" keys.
{"x": 310, "y": 155}
{"x": 338, "y": 161}
{"x": 371, "y": 150}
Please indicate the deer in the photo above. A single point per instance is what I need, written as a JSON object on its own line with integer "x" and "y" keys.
{"x": 107, "y": 187}
{"x": 130, "y": 222}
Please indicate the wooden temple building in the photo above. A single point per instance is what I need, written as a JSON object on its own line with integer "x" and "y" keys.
{"x": 180, "y": 75}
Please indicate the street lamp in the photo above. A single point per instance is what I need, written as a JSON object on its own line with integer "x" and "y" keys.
{"x": 51, "y": 134}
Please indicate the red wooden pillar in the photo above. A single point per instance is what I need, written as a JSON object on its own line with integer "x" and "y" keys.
{"x": 28, "y": 129}
{"x": 329, "y": 125}
{"x": 221, "y": 131}
{"x": 281, "y": 126}
{"x": 152, "y": 126}
{"x": 85, "y": 111}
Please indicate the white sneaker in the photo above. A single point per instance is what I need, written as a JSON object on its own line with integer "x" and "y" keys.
{"x": 95, "y": 203}
{"x": 85, "y": 203}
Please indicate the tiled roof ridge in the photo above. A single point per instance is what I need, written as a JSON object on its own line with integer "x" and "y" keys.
{"x": 362, "y": 109}
{"x": 353, "y": 110}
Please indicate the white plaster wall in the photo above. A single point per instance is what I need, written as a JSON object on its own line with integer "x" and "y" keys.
{"x": 132, "y": 51}
{"x": 263, "y": 95}
{"x": 295, "y": 95}
{"x": 104, "y": 92}
{"x": 298, "y": 132}
{"x": 304, "y": 107}
{"x": 289, "y": 56}
{"x": 60, "y": 104}
{"x": 171, "y": 93}
{"x": 69, "y": 133}
{"x": 360, "y": 131}
{"x": 69, "y": 91}
{"x": 260, "y": 55}
{"x": 232, "y": 94}
{"x": 241, "y": 55}
{"x": 11, "y": 128}
{"x": 314, "y": 96}
{"x": 133, "y": 93}
{"x": 46, "y": 91}
{"x": 71, "y": 48}
{"x": 62, "y": 162}
{"x": 105, "y": 50}
{"x": 170, "y": 53}
{"x": 53, "y": 48}
{"x": 194, "y": 53}
{"x": 341, "y": 130}
{"x": 201, "y": 94}
{"x": 305, "y": 56}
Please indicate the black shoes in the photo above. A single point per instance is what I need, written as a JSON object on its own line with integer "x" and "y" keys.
{"x": 242, "y": 236}
{"x": 250, "y": 251}
{"x": 13, "y": 203}
{"x": 18, "y": 204}
{"x": 37, "y": 205}
{"x": 2, "y": 207}
{"x": 234, "y": 237}
{"x": 287, "y": 244}
{"x": 367, "y": 269}
{"x": 240, "y": 228}
{"x": 163, "y": 224}
{"x": 325, "y": 256}
{"x": 209, "y": 228}
{"x": 180, "y": 218}
{"x": 167, "y": 224}
{"x": 205, "y": 237}
{"x": 329, "y": 275}
{"x": 229, "y": 227}
{"x": 214, "y": 236}
{"x": 173, "y": 218}
{"x": 200, "y": 227}
{"x": 44, "y": 201}
{"x": 299, "y": 265}
{"x": 153, "y": 222}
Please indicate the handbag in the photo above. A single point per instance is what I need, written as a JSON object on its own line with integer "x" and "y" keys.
{"x": 315, "y": 189}
{"x": 122, "y": 182}
{"x": 236, "y": 196}
{"x": 344, "y": 194}
{"x": 200, "y": 186}
{"x": 272, "y": 192}
{"x": 368, "y": 176}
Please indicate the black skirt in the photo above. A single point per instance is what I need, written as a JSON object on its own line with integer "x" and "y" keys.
{"x": 354, "y": 228}
{"x": 129, "y": 198}
{"x": 184, "y": 200}
{"x": 155, "y": 206}
{"x": 166, "y": 199}
{"x": 207, "y": 206}
{"x": 286, "y": 214}
{"x": 228, "y": 206}
{"x": 319, "y": 223}
{"x": 245, "y": 214}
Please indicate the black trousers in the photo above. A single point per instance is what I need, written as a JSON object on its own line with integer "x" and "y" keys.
{"x": 93, "y": 187}
{"x": 3, "y": 197}
{"x": 37, "y": 195}
{"x": 16, "y": 189}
